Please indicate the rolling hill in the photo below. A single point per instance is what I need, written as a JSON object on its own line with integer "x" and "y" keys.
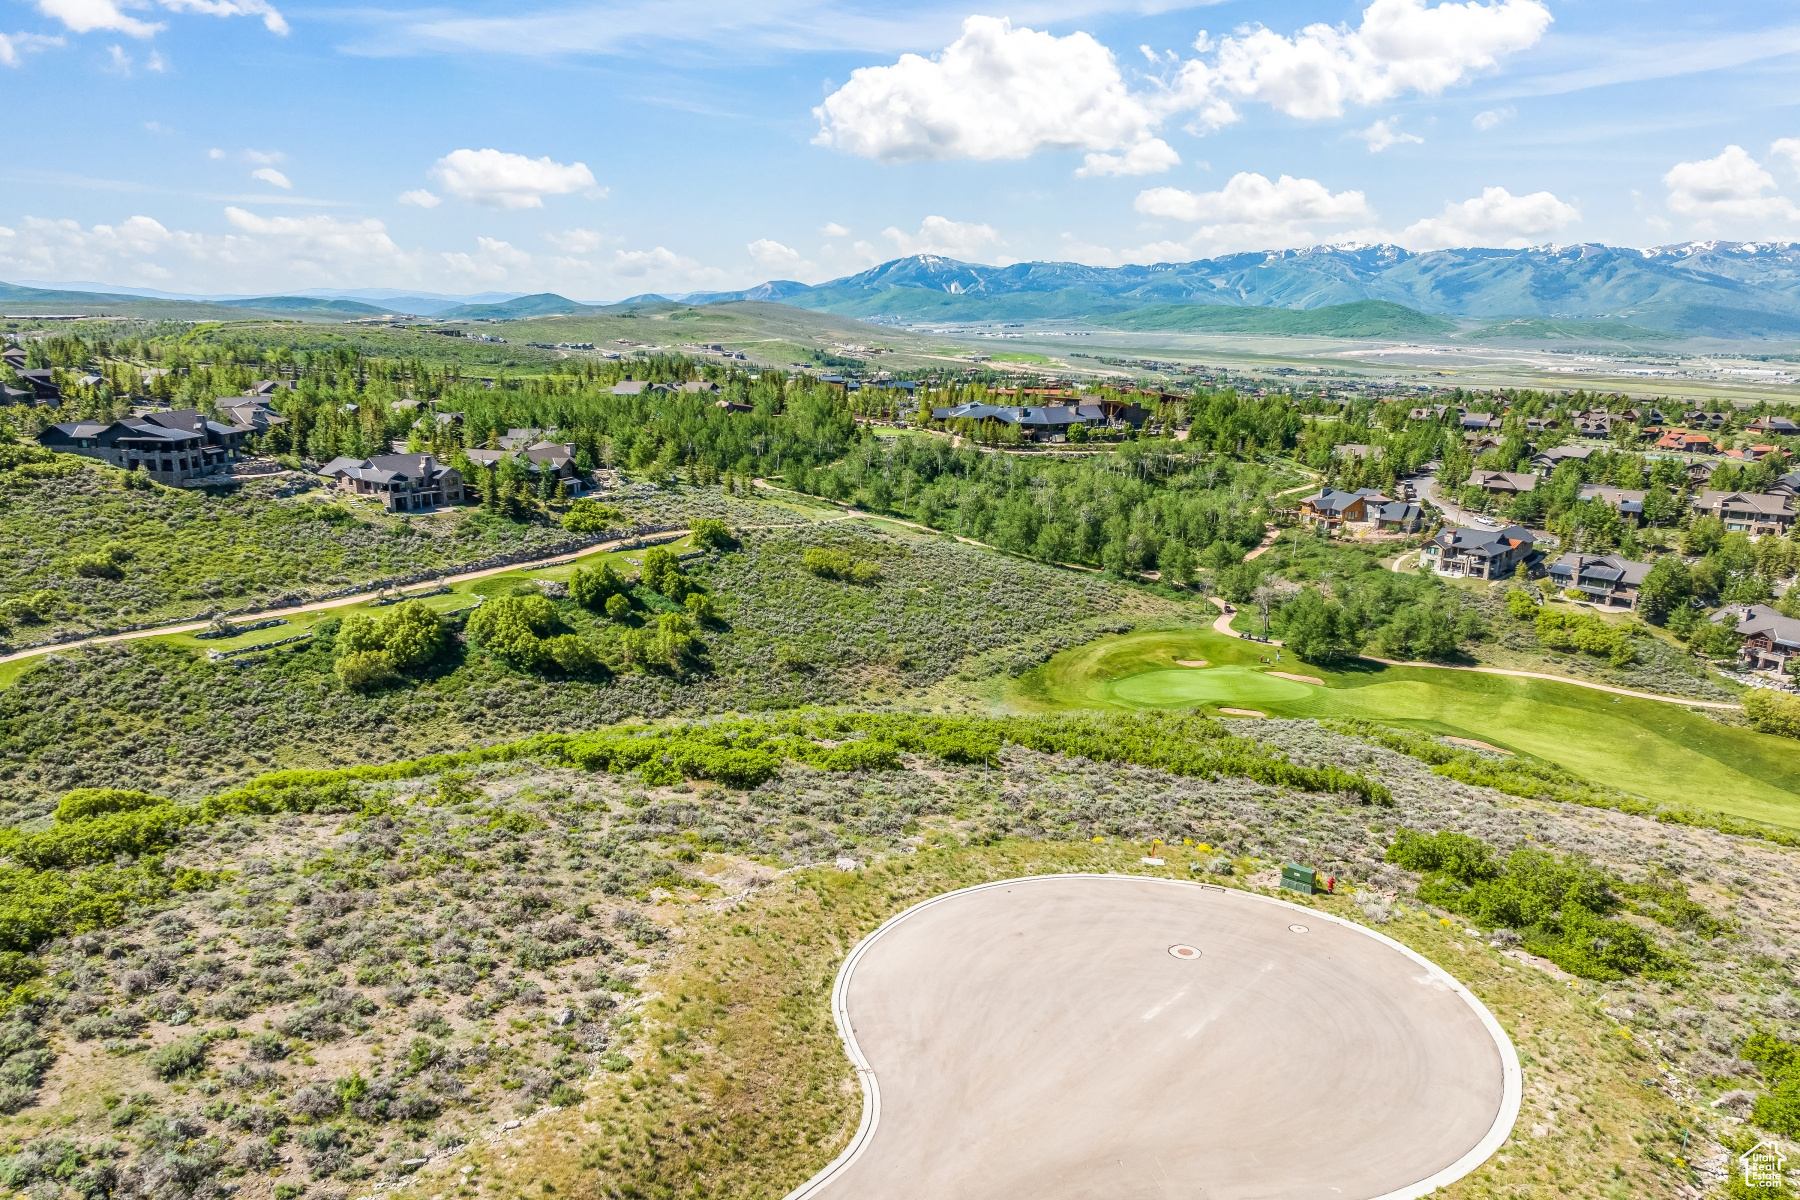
{"x": 1361, "y": 319}
{"x": 544, "y": 304}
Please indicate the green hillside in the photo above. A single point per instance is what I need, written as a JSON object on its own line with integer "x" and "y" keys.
{"x": 1539, "y": 329}
{"x": 543, "y": 304}
{"x": 1365, "y": 318}
{"x": 309, "y": 305}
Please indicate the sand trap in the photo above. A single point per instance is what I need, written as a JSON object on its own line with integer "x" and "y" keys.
{"x": 1312, "y": 679}
{"x": 1477, "y": 745}
{"x": 1190, "y": 662}
{"x": 1242, "y": 712}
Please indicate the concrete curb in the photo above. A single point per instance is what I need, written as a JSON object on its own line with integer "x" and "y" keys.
{"x": 1512, "y": 1076}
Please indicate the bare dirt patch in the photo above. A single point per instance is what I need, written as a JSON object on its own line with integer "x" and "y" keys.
{"x": 1190, "y": 662}
{"x": 1312, "y": 679}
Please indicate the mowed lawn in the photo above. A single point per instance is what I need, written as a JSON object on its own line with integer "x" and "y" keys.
{"x": 1661, "y": 751}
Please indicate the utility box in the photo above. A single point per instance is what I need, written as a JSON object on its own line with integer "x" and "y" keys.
{"x": 1305, "y": 880}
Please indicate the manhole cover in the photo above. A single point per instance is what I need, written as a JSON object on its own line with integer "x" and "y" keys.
{"x": 1298, "y": 928}
{"x": 1187, "y": 952}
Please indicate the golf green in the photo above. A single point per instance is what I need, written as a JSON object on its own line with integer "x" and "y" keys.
{"x": 1664, "y": 752}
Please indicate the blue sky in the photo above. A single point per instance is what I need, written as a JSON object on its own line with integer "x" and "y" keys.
{"x": 602, "y": 150}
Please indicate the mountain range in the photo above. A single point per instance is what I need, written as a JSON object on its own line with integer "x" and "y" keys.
{"x": 1696, "y": 289}
{"x": 1715, "y": 289}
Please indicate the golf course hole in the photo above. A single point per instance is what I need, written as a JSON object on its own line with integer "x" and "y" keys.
{"x": 1023, "y": 1040}
{"x": 1184, "y": 952}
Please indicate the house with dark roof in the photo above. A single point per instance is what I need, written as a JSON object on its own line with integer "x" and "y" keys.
{"x": 1545, "y": 461}
{"x": 1046, "y": 422}
{"x": 14, "y": 357}
{"x": 169, "y": 446}
{"x": 638, "y": 387}
{"x": 1480, "y": 422}
{"x": 1479, "y": 553}
{"x": 1754, "y": 513}
{"x": 1627, "y": 502}
{"x": 1335, "y": 510}
{"x": 1603, "y": 579}
{"x": 1771, "y": 641}
{"x": 700, "y": 387}
{"x": 1503, "y": 483}
{"x": 42, "y": 383}
{"x": 1781, "y": 426}
{"x": 1788, "y": 485}
{"x": 1701, "y": 419}
{"x": 402, "y": 482}
{"x": 252, "y": 414}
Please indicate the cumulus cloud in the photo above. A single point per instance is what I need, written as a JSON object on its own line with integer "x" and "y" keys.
{"x": 14, "y": 46}
{"x": 943, "y": 237}
{"x": 1494, "y": 218}
{"x": 271, "y": 175}
{"x": 273, "y": 21}
{"x": 771, "y": 255}
{"x": 86, "y": 16}
{"x": 1401, "y": 46}
{"x": 494, "y": 179}
{"x": 1250, "y": 211}
{"x": 419, "y": 198}
{"x": 215, "y": 152}
{"x": 995, "y": 93}
{"x": 1489, "y": 118}
{"x": 1000, "y": 92}
{"x": 494, "y": 261}
{"x": 1382, "y": 134}
{"x": 266, "y": 157}
{"x": 1731, "y": 189}
{"x": 577, "y": 241}
{"x": 1146, "y": 158}
{"x": 833, "y": 229}
{"x": 1788, "y": 148}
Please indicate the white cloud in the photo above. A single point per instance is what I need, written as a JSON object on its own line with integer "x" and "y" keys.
{"x": 272, "y": 20}
{"x": 1788, "y": 148}
{"x": 1494, "y": 218}
{"x": 577, "y": 241}
{"x": 942, "y": 236}
{"x": 12, "y": 46}
{"x": 1732, "y": 189}
{"x": 1145, "y": 158}
{"x": 1401, "y": 46}
{"x": 1382, "y": 134}
{"x": 771, "y": 255}
{"x": 1489, "y": 118}
{"x": 1251, "y": 212}
{"x": 86, "y": 16}
{"x": 271, "y": 175}
{"x": 215, "y": 152}
{"x": 833, "y": 229}
{"x": 419, "y": 198}
{"x": 495, "y": 179}
{"x": 995, "y": 93}
{"x": 662, "y": 268}
{"x": 494, "y": 261}
{"x": 267, "y": 158}
{"x": 118, "y": 62}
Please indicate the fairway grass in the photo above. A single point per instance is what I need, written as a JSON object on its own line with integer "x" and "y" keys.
{"x": 1663, "y": 752}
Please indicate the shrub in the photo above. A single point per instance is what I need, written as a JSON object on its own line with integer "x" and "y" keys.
{"x": 514, "y": 628}
{"x": 618, "y": 607}
{"x": 712, "y": 534}
{"x": 410, "y": 635}
{"x": 1519, "y": 604}
{"x": 1778, "y": 1110}
{"x": 365, "y": 671}
{"x": 588, "y": 515}
{"x": 593, "y": 589}
{"x": 268, "y": 1047}
{"x": 82, "y": 803}
{"x": 1773, "y": 712}
{"x": 837, "y": 564}
{"x": 1559, "y": 630}
{"x": 662, "y": 574}
{"x": 186, "y": 1056}
{"x": 1558, "y": 905}
{"x": 574, "y": 655}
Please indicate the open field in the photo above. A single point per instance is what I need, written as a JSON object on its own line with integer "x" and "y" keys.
{"x": 1200, "y": 1043}
{"x": 1660, "y": 751}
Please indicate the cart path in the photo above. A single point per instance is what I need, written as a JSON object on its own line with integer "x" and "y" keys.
{"x": 668, "y": 535}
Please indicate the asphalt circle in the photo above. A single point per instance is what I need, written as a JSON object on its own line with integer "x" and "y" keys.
{"x": 1185, "y": 953}
{"x": 1016, "y": 1041}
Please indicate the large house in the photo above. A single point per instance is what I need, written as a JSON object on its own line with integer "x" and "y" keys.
{"x": 1686, "y": 442}
{"x": 556, "y": 458}
{"x": 1479, "y": 553}
{"x": 1546, "y": 460}
{"x": 1788, "y": 485}
{"x": 1627, "y": 502}
{"x": 1771, "y": 641}
{"x": 1606, "y": 579}
{"x": 1754, "y": 513}
{"x": 169, "y": 446}
{"x": 1777, "y": 425}
{"x": 42, "y": 384}
{"x": 1334, "y": 510}
{"x": 402, "y": 482}
{"x": 1503, "y": 483}
{"x": 254, "y": 414}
